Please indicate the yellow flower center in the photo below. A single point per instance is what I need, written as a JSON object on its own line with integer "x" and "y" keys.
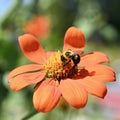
{"x": 58, "y": 69}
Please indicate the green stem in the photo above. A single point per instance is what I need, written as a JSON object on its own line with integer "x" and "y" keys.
{"x": 29, "y": 115}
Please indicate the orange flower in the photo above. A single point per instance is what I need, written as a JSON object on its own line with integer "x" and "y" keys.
{"x": 65, "y": 74}
{"x": 38, "y": 26}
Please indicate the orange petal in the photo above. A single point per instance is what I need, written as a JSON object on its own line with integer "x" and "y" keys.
{"x": 26, "y": 79}
{"x": 74, "y": 39}
{"x": 50, "y": 53}
{"x": 101, "y": 73}
{"x": 46, "y": 96}
{"x": 23, "y": 69}
{"x": 32, "y": 49}
{"x": 94, "y": 87}
{"x": 73, "y": 93}
{"x": 93, "y": 58}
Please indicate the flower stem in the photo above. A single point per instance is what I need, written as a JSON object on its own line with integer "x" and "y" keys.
{"x": 30, "y": 115}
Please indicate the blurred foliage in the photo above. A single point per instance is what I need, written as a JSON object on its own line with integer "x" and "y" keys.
{"x": 110, "y": 8}
{"x": 99, "y": 19}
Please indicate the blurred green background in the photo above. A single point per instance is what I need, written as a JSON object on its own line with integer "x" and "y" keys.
{"x": 100, "y": 22}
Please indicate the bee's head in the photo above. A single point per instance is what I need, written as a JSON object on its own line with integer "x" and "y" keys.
{"x": 76, "y": 58}
{"x": 69, "y": 54}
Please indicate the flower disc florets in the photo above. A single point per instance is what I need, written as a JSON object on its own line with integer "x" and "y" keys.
{"x": 60, "y": 66}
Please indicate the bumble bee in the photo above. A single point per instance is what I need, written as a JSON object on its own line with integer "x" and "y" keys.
{"x": 70, "y": 55}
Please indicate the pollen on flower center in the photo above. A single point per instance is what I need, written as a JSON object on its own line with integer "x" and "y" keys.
{"x": 56, "y": 68}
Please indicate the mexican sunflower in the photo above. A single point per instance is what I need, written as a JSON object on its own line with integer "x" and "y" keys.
{"x": 38, "y": 26}
{"x": 69, "y": 74}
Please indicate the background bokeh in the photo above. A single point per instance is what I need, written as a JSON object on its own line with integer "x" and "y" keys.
{"x": 100, "y": 22}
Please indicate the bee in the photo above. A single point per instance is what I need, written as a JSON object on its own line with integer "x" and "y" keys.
{"x": 70, "y": 55}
